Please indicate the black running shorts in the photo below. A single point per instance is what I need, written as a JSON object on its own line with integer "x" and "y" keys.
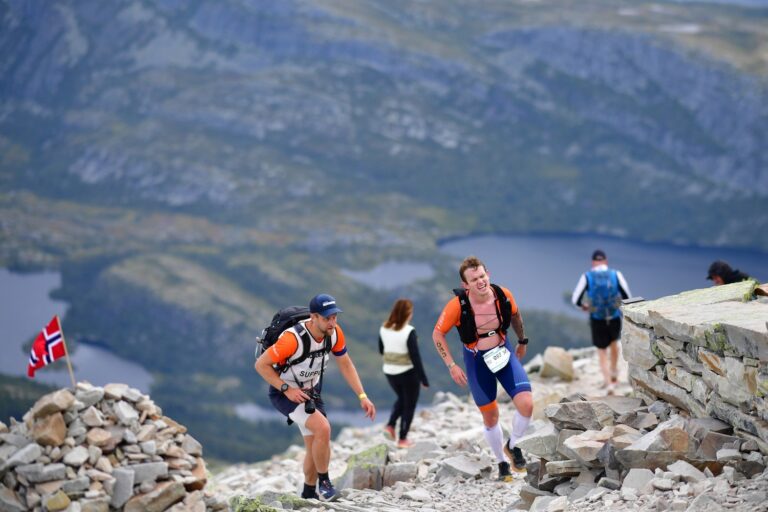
{"x": 603, "y": 333}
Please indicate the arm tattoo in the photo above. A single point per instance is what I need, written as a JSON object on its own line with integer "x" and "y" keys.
{"x": 517, "y": 325}
{"x": 440, "y": 345}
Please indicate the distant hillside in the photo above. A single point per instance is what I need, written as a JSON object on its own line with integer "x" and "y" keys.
{"x": 192, "y": 166}
{"x": 206, "y": 106}
{"x": 17, "y": 395}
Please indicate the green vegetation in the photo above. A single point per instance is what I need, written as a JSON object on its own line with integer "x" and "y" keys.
{"x": 287, "y": 501}
{"x": 369, "y": 458}
{"x": 18, "y": 395}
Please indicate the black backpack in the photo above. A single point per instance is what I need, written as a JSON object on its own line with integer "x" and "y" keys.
{"x": 285, "y": 319}
{"x": 467, "y": 328}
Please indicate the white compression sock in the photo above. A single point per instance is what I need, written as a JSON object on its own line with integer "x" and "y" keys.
{"x": 495, "y": 439}
{"x": 519, "y": 425}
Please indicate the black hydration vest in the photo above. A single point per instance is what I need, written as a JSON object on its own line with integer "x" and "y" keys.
{"x": 467, "y": 327}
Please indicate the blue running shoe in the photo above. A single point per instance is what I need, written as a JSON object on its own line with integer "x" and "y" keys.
{"x": 326, "y": 491}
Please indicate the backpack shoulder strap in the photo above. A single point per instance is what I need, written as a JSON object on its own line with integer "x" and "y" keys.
{"x": 590, "y": 275}
{"x": 303, "y": 334}
{"x": 505, "y": 306}
{"x": 467, "y": 327}
{"x": 328, "y": 341}
{"x": 500, "y": 295}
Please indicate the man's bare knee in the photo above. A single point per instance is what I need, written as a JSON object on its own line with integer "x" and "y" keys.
{"x": 524, "y": 404}
{"x": 490, "y": 417}
{"x": 319, "y": 426}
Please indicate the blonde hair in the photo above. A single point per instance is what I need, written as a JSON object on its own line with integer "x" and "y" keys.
{"x": 398, "y": 317}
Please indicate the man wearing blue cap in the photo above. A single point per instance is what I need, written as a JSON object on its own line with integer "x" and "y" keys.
{"x": 295, "y": 391}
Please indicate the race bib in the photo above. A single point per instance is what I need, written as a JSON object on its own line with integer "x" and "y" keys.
{"x": 497, "y": 358}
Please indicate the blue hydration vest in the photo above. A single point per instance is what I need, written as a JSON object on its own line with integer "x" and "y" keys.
{"x": 603, "y": 290}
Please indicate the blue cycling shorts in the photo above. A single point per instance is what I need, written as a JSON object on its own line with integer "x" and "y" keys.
{"x": 482, "y": 381}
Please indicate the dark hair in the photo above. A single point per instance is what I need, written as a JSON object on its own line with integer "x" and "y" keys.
{"x": 470, "y": 262}
{"x": 719, "y": 268}
{"x": 399, "y": 314}
{"x": 727, "y": 274}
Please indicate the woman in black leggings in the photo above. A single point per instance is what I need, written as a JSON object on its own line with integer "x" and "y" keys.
{"x": 398, "y": 344}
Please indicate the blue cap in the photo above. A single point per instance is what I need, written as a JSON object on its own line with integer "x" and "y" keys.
{"x": 324, "y": 304}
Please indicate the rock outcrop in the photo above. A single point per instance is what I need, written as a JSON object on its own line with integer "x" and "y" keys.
{"x": 706, "y": 352}
{"x": 654, "y": 452}
{"x": 101, "y": 449}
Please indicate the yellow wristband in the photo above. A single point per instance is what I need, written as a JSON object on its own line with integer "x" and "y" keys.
{"x": 451, "y": 365}
{"x": 362, "y": 396}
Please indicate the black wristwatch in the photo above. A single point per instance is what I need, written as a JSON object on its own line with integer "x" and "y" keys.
{"x": 523, "y": 341}
{"x": 284, "y": 387}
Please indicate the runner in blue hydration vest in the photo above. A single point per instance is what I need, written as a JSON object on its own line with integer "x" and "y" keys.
{"x": 600, "y": 291}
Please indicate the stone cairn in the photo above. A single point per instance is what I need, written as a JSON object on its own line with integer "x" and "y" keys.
{"x": 101, "y": 449}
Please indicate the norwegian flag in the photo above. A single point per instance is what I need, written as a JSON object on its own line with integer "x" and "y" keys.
{"x": 47, "y": 347}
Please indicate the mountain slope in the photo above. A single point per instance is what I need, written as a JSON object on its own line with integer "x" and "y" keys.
{"x": 206, "y": 106}
{"x": 190, "y": 167}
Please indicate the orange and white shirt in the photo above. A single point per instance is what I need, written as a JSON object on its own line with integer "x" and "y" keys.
{"x": 289, "y": 347}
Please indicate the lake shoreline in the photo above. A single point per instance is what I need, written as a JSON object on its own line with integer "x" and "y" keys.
{"x": 543, "y": 270}
{"x": 441, "y": 241}
{"x": 26, "y": 307}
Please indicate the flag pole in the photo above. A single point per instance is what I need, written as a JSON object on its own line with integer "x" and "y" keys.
{"x": 66, "y": 353}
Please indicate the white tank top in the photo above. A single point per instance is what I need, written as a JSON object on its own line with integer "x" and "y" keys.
{"x": 396, "y": 357}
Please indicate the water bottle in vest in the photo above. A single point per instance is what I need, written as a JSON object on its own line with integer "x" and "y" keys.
{"x": 603, "y": 291}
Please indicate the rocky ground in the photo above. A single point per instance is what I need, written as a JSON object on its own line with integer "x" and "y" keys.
{"x": 450, "y": 467}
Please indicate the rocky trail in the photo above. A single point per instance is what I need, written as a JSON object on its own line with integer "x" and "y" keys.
{"x": 451, "y": 469}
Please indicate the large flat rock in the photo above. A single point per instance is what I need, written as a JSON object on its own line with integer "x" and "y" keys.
{"x": 592, "y": 415}
{"x": 732, "y": 327}
{"x": 721, "y": 318}
{"x": 693, "y": 299}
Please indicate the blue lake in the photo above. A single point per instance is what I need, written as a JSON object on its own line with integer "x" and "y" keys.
{"x": 25, "y": 308}
{"x": 392, "y": 274}
{"x": 540, "y": 270}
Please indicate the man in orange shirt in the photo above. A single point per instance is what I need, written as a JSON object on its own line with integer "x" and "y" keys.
{"x": 295, "y": 391}
{"x": 482, "y": 313}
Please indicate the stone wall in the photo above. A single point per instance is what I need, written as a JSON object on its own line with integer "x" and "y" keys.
{"x": 706, "y": 352}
